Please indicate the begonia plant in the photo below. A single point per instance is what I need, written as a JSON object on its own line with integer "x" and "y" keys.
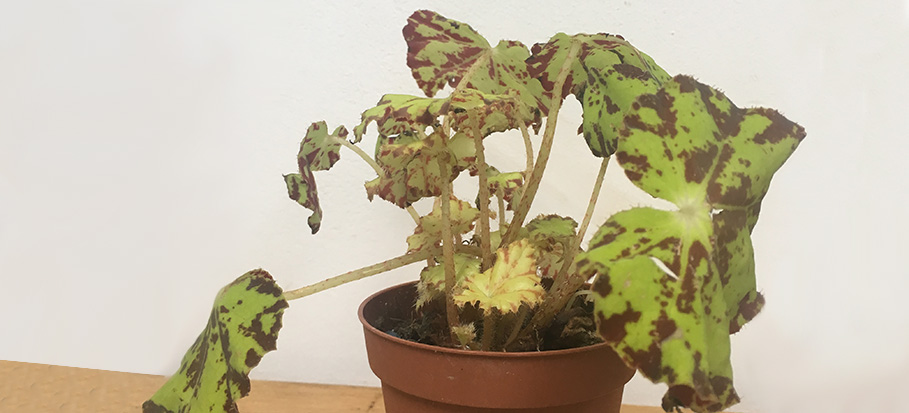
{"x": 665, "y": 288}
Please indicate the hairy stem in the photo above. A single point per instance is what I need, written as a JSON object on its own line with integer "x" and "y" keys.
{"x": 501, "y": 198}
{"x": 360, "y": 274}
{"x": 518, "y": 323}
{"x": 483, "y": 195}
{"x": 531, "y": 187}
{"x": 567, "y": 283}
{"x": 375, "y": 166}
{"x": 528, "y": 150}
{"x": 448, "y": 243}
{"x": 489, "y": 330}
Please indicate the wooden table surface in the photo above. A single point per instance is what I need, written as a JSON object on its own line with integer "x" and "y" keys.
{"x": 39, "y": 388}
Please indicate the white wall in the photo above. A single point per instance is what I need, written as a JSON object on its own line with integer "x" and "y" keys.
{"x": 142, "y": 146}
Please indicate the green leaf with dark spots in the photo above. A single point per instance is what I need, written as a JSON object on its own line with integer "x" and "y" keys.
{"x": 318, "y": 152}
{"x": 673, "y": 285}
{"x": 214, "y": 373}
{"x": 606, "y": 76}
{"x": 428, "y": 232}
{"x": 599, "y": 51}
{"x": 608, "y": 94}
{"x": 397, "y": 114}
{"x": 551, "y": 236}
{"x": 442, "y": 51}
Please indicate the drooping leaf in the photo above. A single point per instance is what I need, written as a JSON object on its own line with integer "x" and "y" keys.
{"x": 674, "y": 284}
{"x": 608, "y": 94}
{"x": 606, "y": 76}
{"x": 318, "y": 152}
{"x": 509, "y": 184}
{"x": 411, "y": 170}
{"x": 551, "y": 236}
{"x": 599, "y": 51}
{"x": 510, "y": 282}
{"x": 442, "y": 51}
{"x": 429, "y": 231}
{"x": 493, "y": 113}
{"x": 397, "y": 114}
{"x": 243, "y": 326}
{"x": 432, "y": 279}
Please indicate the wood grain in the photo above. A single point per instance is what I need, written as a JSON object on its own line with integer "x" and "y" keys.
{"x": 40, "y": 388}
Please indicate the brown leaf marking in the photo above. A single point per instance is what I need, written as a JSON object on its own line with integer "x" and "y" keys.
{"x": 697, "y": 253}
{"x": 612, "y": 328}
{"x": 698, "y": 162}
{"x": 748, "y": 309}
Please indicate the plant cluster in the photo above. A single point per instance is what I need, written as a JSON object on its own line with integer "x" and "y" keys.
{"x": 668, "y": 286}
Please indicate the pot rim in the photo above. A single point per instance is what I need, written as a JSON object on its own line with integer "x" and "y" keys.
{"x": 456, "y": 351}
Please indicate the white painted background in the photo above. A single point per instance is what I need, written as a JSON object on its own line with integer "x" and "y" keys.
{"x": 142, "y": 146}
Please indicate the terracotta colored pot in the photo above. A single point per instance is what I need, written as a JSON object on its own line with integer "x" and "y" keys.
{"x": 420, "y": 378}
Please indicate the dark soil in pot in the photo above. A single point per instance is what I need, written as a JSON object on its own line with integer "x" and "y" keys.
{"x": 423, "y": 378}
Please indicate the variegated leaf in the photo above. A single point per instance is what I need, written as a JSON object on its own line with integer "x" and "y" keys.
{"x": 607, "y": 75}
{"x": 510, "y": 184}
{"x": 510, "y": 282}
{"x": 397, "y": 114}
{"x": 675, "y": 284}
{"x": 442, "y": 51}
{"x": 432, "y": 279}
{"x": 243, "y": 326}
{"x": 599, "y": 51}
{"x": 493, "y": 113}
{"x": 608, "y": 94}
{"x": 551, "y": 236}
{"x": 411, "y": 169}
{"x": 318, "y": 152}
{"x": 429, "y": 231}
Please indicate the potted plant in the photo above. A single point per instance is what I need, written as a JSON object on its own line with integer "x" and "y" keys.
{"x": 659, "y": 291}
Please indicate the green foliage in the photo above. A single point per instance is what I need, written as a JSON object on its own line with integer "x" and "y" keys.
{"x": 551, "y": 236}
{"x": 429, "y": 230}
{"x": 511, "y": 282}
{"x": 607, "y": 75}
{"x": 442, "y": 51}
{"x": 671, "y": 285}
{"x": 432, "y": 279}
{"x": 674, "y": 284}
{"x": 318, "y": 152}
{"x": 243, "y": 326}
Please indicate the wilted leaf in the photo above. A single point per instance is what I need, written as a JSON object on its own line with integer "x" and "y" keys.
{"x": 432, "y": 279}
{"x": 493, "y": 113}
{"x": 510, "y": 282}
{"x": 243, "y": 326}
{"x": 441, "y": 51}
{"x": 318, "y": 152}
{"x": 397, "y": 114}
{"x": 675, "y": 284}
{"x": 429, "y": 231}
{"x": 607, "y": 75}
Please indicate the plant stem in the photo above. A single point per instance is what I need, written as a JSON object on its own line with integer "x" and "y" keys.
{"x": 483, "y": 195}
{"x": 518, "y": 323}
{"x": 501, "y": 197}
{"x": 567, "y": 283}
{"x": 528, "y": 150}
{"x": 448, "y": 242}
{"x": 531, "y": 187}
{"x": 361, "y": 273}
{"x": 489, "y": 330}
{"x": 375, "y": 166}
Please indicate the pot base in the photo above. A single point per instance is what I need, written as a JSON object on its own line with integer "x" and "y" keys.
{"x": 419, "y": 378}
